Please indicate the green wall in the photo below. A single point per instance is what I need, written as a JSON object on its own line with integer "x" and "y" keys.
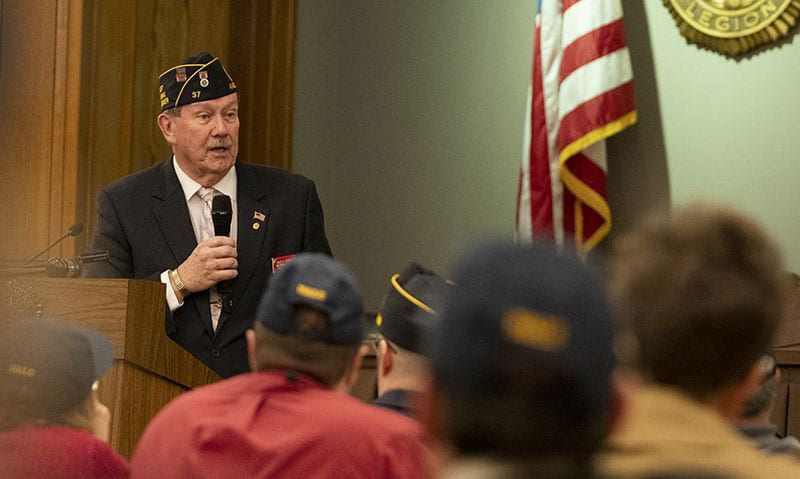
{"x": 408, "y": 115}
{"x": 731, "y": 129}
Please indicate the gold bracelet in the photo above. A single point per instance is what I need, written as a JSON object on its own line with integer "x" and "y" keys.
{"x": 178, "y": 283}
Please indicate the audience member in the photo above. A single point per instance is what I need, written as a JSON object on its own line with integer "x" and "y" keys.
{"x": 51, "y": 422}
{"x": 405, "y": 321}
{"x": 754, "y": 421}
{"x": 700, "y": 291}
{"x": 292, "y": 418}
{"x": 522, "y": 367}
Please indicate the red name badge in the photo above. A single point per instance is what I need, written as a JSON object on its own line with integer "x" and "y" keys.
{"x": 280, "y": 262}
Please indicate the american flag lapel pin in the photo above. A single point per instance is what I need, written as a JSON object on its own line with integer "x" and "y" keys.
{"x": 259, "y": 218}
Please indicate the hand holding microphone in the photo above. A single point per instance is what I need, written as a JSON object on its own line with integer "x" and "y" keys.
{"x": 213, "y": 261}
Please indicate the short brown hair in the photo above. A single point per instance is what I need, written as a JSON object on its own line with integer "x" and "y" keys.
{"x": 702, "y": 291}
{"x": 325, "y": 362}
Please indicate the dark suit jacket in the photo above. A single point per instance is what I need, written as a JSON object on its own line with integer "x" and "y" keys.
{"x": 144, "y": 224}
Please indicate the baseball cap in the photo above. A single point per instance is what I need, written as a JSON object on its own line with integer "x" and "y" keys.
{"x": 54, "y": 363}
{"x": 409, "y": 308}
{"x": 320, "y": 282}
{"x": 522, "y": 312}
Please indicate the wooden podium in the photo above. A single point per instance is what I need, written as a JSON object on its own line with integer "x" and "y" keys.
{"x": 149, "y": 368}
{"x": 786, "y": 413}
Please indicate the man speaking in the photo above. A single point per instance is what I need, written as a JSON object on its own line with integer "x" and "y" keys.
{"x": 211, "y": 228}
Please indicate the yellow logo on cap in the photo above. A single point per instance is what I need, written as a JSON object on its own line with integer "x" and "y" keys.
{"x": 24, "y": 371}
{"x": 541, "y": 331}
{"x": 311, "y": 293}
{"x": 163, "y": 96}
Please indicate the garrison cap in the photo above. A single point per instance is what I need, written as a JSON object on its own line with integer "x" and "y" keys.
{"x": 198, "y": 78}
{"x": 408, "y": 312}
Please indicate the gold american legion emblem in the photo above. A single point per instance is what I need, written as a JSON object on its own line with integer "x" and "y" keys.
{"x": 733, "y": 27}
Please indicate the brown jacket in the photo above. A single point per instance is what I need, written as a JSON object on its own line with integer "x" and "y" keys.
{"x": 665, "y": 431}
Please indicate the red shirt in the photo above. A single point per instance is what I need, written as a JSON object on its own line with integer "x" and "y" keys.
{"x": 263, "y": 425}
{"x": 57, "y": 452}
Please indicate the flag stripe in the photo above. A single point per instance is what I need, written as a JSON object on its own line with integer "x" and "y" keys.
{"x": 591, "y": 46}
{"x": 569, "y": 3}
{"x": 588, "y": 15}
{"x": 523, "y": 218}
{"x": 593, "y": 114}
{"x": 594, "y": 79}
{"x": 540, "y": 179}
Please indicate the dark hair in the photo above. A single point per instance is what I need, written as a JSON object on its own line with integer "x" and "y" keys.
{"x": 325, "y": 362}
{"x": 532, "y": 414}
{"x": 702, "y": 292}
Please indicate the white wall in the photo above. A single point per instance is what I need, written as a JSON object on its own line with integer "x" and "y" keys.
{"x": 408, "y": 115}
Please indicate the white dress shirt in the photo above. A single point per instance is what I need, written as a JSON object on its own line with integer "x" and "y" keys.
{"x": 227, "y": 186}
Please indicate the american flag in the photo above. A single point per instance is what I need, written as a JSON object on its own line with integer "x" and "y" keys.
{"x": 580, "y": 94}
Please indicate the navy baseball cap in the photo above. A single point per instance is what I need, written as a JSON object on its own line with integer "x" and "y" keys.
{"x": 320, "y": 282}
{"x": 530, "y": 311}
{"x": 53, "y": 363}
{"x": 409, "y": 308}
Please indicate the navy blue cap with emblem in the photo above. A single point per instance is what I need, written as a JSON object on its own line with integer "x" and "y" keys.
{"x": 320, "y": 282}
{"x": 408, "y": 313}
{"x": 521, "y": 312}
{"x": 198, "y": 78}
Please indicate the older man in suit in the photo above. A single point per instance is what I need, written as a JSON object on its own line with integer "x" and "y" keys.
{"x": 157, "y": 223}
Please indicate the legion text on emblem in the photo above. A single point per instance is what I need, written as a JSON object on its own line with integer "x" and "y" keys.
{"x": 734, "y": 27}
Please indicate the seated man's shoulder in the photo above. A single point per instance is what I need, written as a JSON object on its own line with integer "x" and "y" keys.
{"x": 346, "y": 408}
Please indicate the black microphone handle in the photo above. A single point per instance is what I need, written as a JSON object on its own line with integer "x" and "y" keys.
{"x": 93, "y": 257}
{"x": 221, "y": 215}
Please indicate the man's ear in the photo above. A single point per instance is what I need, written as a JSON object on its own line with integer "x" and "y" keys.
{"x": 616, "y": 406}
{"x": 730, "y": 402}
{"x": 386, "y": 359}
{"x": 625, "y": 384}
{"x": 351, "y": 374}
{"x": 250, "y": 337}
{"x": 166, "y": 123}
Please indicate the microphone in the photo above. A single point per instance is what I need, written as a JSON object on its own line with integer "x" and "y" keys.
{"x": 71, "y": 268}
{"x": 221, "y": 215}
{"x": 73, "y": 230}
{"x": 62, "y": 268}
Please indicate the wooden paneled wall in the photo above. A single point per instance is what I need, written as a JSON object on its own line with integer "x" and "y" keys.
{"x": 80, "y": 97}
{"x": 39, "y": 93}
